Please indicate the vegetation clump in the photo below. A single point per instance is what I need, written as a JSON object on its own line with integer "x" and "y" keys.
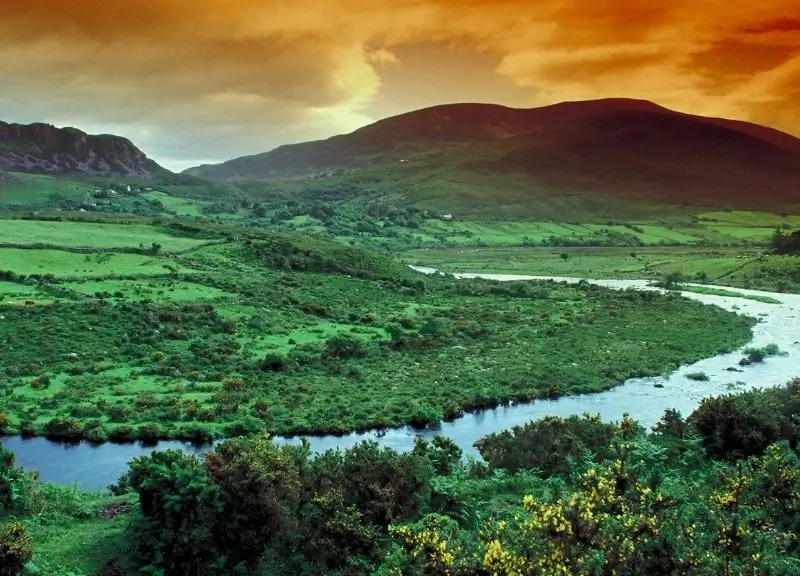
{"x": 755, "y": 355}
{"x": 717, "y": 493}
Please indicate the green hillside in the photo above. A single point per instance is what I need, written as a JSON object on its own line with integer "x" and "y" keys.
{"x": 554, "y": 162}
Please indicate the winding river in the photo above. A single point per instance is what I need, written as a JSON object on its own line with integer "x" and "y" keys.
{"x": 96, "y": 466}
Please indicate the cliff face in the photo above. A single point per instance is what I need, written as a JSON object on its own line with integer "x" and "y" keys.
{"x": 43, "y": 148}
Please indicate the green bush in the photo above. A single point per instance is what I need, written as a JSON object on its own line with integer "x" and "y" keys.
{"x": 274, "y": 363}
{"x": 5, "y": 422}
{"x": 737, "y": 426}
{"x": 179, "y": 508}
{"x": 344, "y": 346}
{"x": 548, "y": 444}
{"x": 16, "y": 549}
{"x": 63, "y": 428}
{"x": 756, "y": 355}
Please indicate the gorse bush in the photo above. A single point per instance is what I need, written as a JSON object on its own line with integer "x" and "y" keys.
{"x": 585, "y": 497}
{"x": 16, "y": 486}
{"x": 738, "y": 426}
{"x": 330, "y": 512}
{"x": 548, "y": 445}
{"x": 756, "y": 355}
{"x": 16, "y": 549}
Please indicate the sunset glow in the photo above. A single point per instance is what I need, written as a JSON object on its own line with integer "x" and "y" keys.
{"x": 213, "y": 79}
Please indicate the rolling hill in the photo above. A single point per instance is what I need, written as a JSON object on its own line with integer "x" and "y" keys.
{"x": 481, "y": 156}
{"x": 44, "y": 149}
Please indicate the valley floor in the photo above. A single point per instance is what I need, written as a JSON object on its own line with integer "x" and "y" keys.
{"x": 245, "y": 331}
{"x": 744, "y": 267}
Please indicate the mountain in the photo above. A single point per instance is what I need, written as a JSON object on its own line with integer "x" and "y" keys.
{"x": 611, "y": 148}
{"x": 45, "y": 149}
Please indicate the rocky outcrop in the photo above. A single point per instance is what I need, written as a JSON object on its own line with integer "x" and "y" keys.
{"x": 45, "y": 149}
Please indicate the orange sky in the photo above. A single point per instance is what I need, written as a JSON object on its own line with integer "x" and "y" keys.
{"x": 207, "y": 80}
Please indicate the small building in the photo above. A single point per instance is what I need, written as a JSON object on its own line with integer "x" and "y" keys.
{"x": 447, "y": 216}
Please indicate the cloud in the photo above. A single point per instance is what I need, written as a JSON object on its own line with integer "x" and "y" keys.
{"x": 213, "y": 79}
{"x": 382, "y": 56}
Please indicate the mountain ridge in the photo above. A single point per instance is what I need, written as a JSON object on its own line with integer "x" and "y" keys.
{"x": 42, "y": 148}
{"x": 617, "y": 147}
{"x": 572, "y": 110}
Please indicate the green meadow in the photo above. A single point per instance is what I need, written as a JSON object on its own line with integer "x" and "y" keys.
{"x": 61, "y": 263}
{"x": 90, "y": 235}
{"x": 289, "y": 334}
{"x": 39, "y": 191}
{"x": 738, "y": 267}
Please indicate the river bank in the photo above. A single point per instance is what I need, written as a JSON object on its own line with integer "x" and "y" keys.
{"x": 95, "y": 466}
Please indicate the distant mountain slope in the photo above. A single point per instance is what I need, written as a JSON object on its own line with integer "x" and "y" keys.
{"x": 615, "y": 147}
{"x": 43, "y": 148}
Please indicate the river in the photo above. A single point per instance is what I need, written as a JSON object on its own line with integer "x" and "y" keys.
{"x": 92, "y": 466}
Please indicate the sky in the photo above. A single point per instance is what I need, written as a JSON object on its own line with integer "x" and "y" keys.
{"x": 202, "y": 81}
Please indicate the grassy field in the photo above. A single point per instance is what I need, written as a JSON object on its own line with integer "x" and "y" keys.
{"x": 70, "y": 264}
{"x": 296, "y": 335}
{"x": 738, "y": 267}
{"x": 176, "y": 205}
{"x": 39, "y": 191}
{"x": 91, "y": 235}
{"x": 567, "y": 220}
{"x": 391, "y": 229}
{"x": 156, "y": 290}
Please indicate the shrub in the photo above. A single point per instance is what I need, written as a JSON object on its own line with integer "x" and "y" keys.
{"x": 756, "y": 355}
{"x": 66, "y": 428}
{"x": 274, "y": 363}
{"x": 16, "y": 549}
{"x": 244, "y": 427}
{"x": 175, "y": 498}
{"x": 259, "y": 485}
{"x": 98, "y": 435}
{"x": 547, "y": 445}
{"x": 5, "y": 422}
{"x": 149, "y": 433}
{"x": 15, "y": 485}
{"x": 698, "y": 376}
{"x": 384, "y": 485}
{"x": 344, "y": 346}
{"x": 42, "y": 381}
{"x": 123, "y": 434}
{"x": 737, "y": 426}
{"x": 233, "y": 384}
